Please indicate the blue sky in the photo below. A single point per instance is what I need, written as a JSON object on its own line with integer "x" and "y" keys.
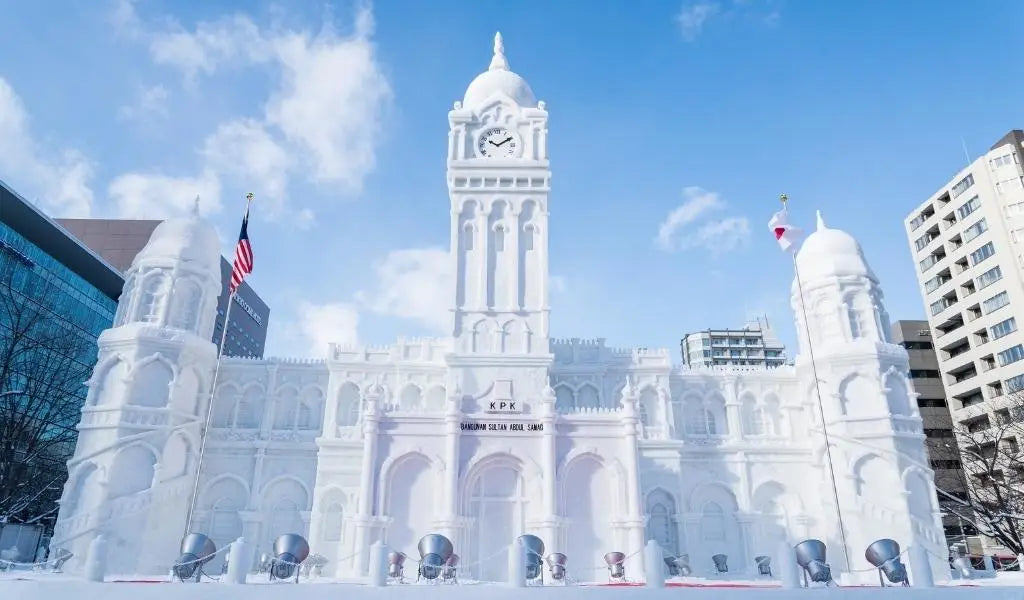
{"x": 335, "y": 116}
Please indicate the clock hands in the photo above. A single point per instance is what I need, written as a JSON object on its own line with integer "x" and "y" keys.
{"x": 501, "y": 143}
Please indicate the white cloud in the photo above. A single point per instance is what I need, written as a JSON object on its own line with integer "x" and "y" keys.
{"x": 717, "y": 236}
{"x": 58, "y": 180}
{"x": 322, "y": 121}
{"x": 692, "y": 17}
{"x": 245, "y": 151}
{"x": 155, "y": 196}
{"x": 331, "y": 102}
{"x": 414, "y": 284}
{"x": 151, "y": 105}
{"x": 312, "y": 328}
{"x": 698, "y": 202}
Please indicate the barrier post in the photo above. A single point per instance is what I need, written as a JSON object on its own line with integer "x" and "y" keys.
{"x": 788, "y": 569}
{"x": 654, "y": 565}
{"x": 238, "y": 561}
{"x": 96, "y": 561}
{"x": 517, "y": 564}
{"x": 378, "y": 564}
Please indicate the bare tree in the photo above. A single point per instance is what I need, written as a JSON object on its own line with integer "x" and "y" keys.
{"x": 45, "y": 357}
{"x": 993, "y": 464}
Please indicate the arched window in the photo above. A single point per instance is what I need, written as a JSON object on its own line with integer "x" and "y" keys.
{"x": 702, "y": 421}
{"x": 187, "y": 297}
{"x": 662, "y": 524}
{"x": 753, "y": 417}
{"x": 305, "y": 416}
{"x": 564, "y": 399}
{"x": 712, "y": 522}
{"x": 333, "y": 522}
{"x": 348, "y": 405}
{"x": 124, "y": 303}
{"x": 467, "y": 237}
{"x": 152, "y": 299}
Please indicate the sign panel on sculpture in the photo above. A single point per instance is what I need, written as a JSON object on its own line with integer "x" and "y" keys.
{"x": 501, "y": 401}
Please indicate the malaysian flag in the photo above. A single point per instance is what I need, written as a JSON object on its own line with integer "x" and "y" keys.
{"x": 243, "y": 253}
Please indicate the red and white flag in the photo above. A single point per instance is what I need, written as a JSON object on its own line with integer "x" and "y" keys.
{"x": 787, "y": 235}
{"x": 243, "y": 255}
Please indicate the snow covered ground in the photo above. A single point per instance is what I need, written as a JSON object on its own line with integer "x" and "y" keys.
{"x": 37, "y": 586}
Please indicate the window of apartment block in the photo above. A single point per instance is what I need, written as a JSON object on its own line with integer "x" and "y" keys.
{"x": 1015, "y": 383}
{"x": 931, "y": 402}
{"x": 998, "y": 301}
{"x": 975, "y": 230}
{"x": 962, "y": 186}
{"x": 989, "y": 277}
{"x": 1003, "y": 328}
{"x": 968, "y": 207}
{"x": 929, "y": 262}
{"x": 982, "y": 253}
{"x": 1011, "y": 355}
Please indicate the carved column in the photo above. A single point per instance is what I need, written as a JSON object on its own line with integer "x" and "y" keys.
{"x": 364, "y": 519}
{"x": 550, "y": 521}
{"x": 448, "y": 524}
{"x": 634, "y": 521}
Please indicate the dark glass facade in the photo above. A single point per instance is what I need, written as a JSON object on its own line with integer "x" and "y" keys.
{"x": 56, "y": 297}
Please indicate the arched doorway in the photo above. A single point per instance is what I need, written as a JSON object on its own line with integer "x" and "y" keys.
{"x": 497, "y": 504}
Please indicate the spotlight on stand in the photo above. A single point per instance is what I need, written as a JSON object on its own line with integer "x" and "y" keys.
{"x": 884, "y": 555}
{"x": 196, "y": 550}
{"x": 534, "y": 547}
{"x": 556, "y": 563}
{"x": 810, "y": 555}
{"x": 614, "y": 560}
{"x": 434, "y": 550}
{"x": 290, "y": 550}
{"x": 448, "y": 572}
{"x": 682, "y": 563}
{"x": 396, "y": 565}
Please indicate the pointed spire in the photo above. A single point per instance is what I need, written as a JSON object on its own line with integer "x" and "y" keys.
{"x": 821, "y": 222}
{"x": 499, "y": 63}
{"x": 195, "y": 208}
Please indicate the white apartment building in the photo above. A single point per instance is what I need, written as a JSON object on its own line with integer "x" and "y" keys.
{"x": 753, "y": 346}
{"x": 967, "y": 240}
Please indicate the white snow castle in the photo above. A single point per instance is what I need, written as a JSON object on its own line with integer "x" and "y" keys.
{"x": 498, "y": 429}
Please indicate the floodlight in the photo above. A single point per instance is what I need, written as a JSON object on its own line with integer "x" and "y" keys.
{"x": 196, "y": 550}
{"x": 290, "y": 550}
{"x": 810, "y": 555}
{"x": 884, "y": 555}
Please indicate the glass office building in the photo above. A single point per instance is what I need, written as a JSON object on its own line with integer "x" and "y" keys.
{"x": 56, "y": 297}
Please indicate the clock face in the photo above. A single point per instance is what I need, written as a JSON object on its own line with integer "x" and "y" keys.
{"x": 498, "y": 142}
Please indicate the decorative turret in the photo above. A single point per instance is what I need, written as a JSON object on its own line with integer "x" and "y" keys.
{"x": 134, "y": 465}
{"x": 841, "y": 297}
{"x": 875, "y": 467}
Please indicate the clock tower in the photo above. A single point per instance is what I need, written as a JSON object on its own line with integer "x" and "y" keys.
{"x": 498, "y": 182}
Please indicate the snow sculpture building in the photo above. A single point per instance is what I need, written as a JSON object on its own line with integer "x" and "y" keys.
{"x": 498, "y": 430}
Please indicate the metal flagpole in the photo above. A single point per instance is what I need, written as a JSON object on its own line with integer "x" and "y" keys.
{"x": 213, "y": 389}
{"x": 821, "y": 407}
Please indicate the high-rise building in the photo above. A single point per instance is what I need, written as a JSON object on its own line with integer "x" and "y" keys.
{"x": 943, "y": 456}
{"x": 118, "y": 241}
{"x": 56, "y": 297}
{"x": 753, "y": 346}
{"x": 967, "y": 240}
